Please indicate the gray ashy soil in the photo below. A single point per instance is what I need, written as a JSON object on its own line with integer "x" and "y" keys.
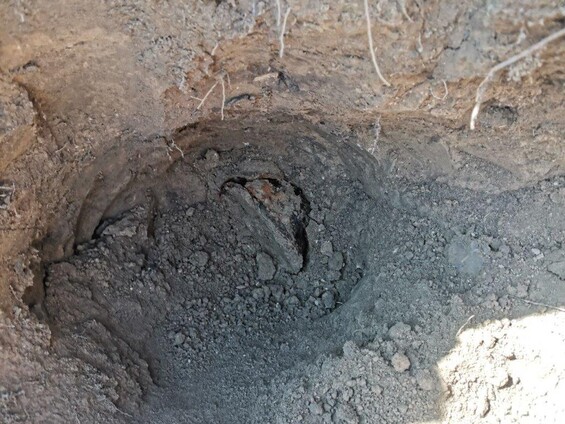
{"x": 296, "y": 284}
{"x": 314, "y": 247}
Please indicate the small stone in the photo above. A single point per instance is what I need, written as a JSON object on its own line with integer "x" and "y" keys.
{"x": 316, "y": 409}
{"x": 179, "y": 339}
{"x": 336, "y": 261}
{"x": 199, "y": 258}
{"x": 400, "y": 362}
{"x": 258, "y": 293}
{"x": 277, "y": 292}
{"x": 265, "y": 267}
{"x": 293, "y": 300}
{"x": 425, "y": 380}
{"x": 326, "y": 248}
{"x": 328, "y": 299}
{"x": 377, "y": 390}
{"x": 350, "y": 349}
{"x": 536, "y": 252}
{"x": 212, "y": 159}
{"x": 399, "y": 331}
{"x": 346, "y": 414}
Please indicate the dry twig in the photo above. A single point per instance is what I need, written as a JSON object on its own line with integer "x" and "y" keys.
{"x": 371, "y": 48}
{"x": 484, "y": 84}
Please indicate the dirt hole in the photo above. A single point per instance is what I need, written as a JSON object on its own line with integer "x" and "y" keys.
{"x": 275, "y": 272}
{"x": 198, "y": 286}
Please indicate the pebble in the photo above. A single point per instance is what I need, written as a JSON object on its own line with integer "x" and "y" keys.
{"x": 425, "y": 380}
{"x": 400, "y": 362}
{"x": 265, "y": 267}
{"x": 212, "y": 159}
{"x": 199, "y": 258}
{"x": 399, "y": 330}
{"x": 350, "y": 349}
{"x": 346, "y": 414}
{"x": 179, "y": 339}
{"x": 315, "y": 408}
{"x": 277, "y": 291}
{"x": 327, "y": 248}
{"x": 336, "y": 261}
{"x": 293, "y": 300}
{"x": 258, "y": 293}
{"x": 328, "y": 299}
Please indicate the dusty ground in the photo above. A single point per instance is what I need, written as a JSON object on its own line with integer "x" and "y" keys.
{"x": 333, "y": 250}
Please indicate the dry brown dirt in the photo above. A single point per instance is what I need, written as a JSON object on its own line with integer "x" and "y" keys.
{"x": 306, "y": 244}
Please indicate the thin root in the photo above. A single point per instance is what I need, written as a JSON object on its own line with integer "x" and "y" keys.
{"x": 213, "y": 52}
{"x": 446, "y": 92}
{"x": 557, "y": 308}
{"x": 278, "y": 2}
{"x": 484, "y": 84}
{"x": 402, "y": 5}
{"x": 172, "y": 145}
{"x": 371, "y": 48}
{"x": 377, "y": 128}
{"x": 223, "y": 97}
{"x": 206, "y": 96}
{"x": 281, "y": 38}
{"x": 464, "y": 325}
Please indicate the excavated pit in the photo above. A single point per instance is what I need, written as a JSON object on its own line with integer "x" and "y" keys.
{"x": 191, "y": 287}
{"x": 275, "y": 272}
{"x": 199, "y": 227}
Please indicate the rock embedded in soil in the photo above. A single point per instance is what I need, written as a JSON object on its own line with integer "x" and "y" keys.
{"x": 399, "y": 331}
{"x": 265, "y": 267}
{"x": 328, "y": 300}
{"x": 199, "y": 258}
{"x": 326, "y": 248}
{"x": 425, "y": 380}
{"x": 336, "y": 261}
{"x": 400, "y": 362}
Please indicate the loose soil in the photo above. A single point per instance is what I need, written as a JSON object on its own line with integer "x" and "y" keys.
{"x": 316, "y": 248}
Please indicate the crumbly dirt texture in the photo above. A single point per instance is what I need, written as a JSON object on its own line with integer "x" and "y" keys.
{"x": 194, "y": 229}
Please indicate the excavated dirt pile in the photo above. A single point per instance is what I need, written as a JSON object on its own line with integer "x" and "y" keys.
{"x": 199, "y": 227}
